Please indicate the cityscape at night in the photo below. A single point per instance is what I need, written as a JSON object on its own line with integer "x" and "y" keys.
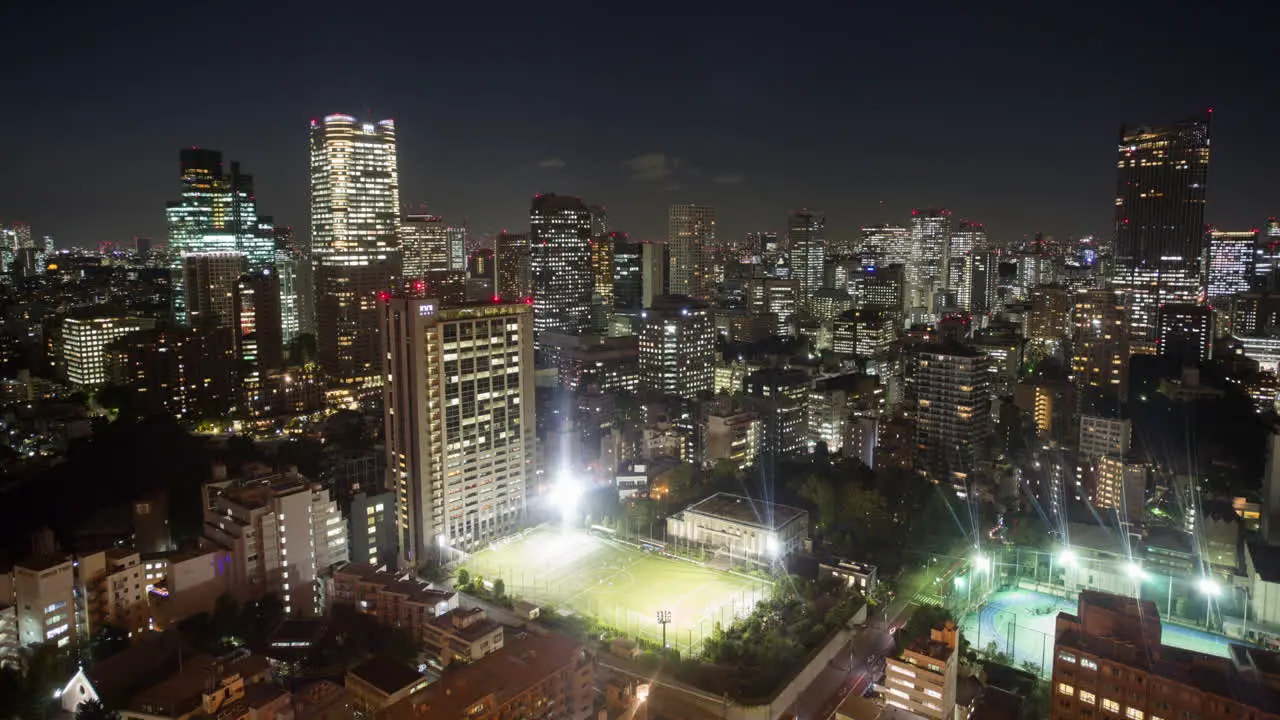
{"x": 518, "y": 362}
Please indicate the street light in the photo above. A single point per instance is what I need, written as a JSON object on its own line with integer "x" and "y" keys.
{"x": 1135, "y": 571}
{"x": 1067, "y": 557}
{"x": 1209, "y": 587}
{"x": 664, "y": 619}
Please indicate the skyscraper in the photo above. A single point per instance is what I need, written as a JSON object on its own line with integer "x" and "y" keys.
{"x": 628, "y": 274}
{"x": 456, "y": 237}
{"x": 967, "y": 237}
{"x": 560, "y": 235}
{"x": 1230, "y": 266}
{"x": 603, "y": 248}
{"x": 514, "y": 281}
{"x": 1159, "y": 217}
{"x": 677, "y": 347}
{"x": 805, "y": 237}
{"x": 459, "y": 422}
{"x": 355, "y": 225}
{"x": 953, "y": 420}
{"x": 691, "y": 234}
{"x": 887, "y": 244}
{"x": 930, "y": 236}
{"x": 424, "y": 245}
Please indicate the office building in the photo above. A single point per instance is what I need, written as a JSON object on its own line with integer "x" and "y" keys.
{"x": 886, "y": 244}
{"x": 1159, "y": 217}
{"x": 511, "y": 260}
{"x": 1121, "y": 487}
{"x": 967, "y": 237}
{"x": 977, "y": 271}
{"x": 677, "y": 347}
{"x": 259, "y": 522}
{"x": 807, "y": 242}
{"x": 930, "y": 238}
{"x": 459, "y": 423}
{"x": 921, "y": 679}
{"x": 1049, "y": 317}
{"x": 563, "y": 282}
{"x": 210, "y": 280}
{"x": 655, "y": 262}
{"x": 953, "y": 413}
{"x": 628, "y": 274}
{"x": 457, "y": 239}
{"x": 1109, "y": 661}
{"x": 1231, "y": 262}
{"x": 355, "y": 230}
{"x": 1104, "y": 436}
{"x": 691, "y": 234}
{"x": 84, "y": 343}
{"x": 1266, "y": 262}
{"x": 292, "y": 293}
{"x": 44, "y": 592}
{"x": 424, "y": 245}
{"x": 1185, "y": 331}
{"x": 258, "y": 320}
{"x": 603, "y": 248}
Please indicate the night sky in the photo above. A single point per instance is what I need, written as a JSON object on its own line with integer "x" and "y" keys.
{"x": 1009, "y": 117}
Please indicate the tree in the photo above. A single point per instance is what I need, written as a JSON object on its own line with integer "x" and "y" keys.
{"x": 93, "y": 709}
{"x": 499, "y": 589}
{"x": 227, "y": 616}
{"x": 464, "y": 578}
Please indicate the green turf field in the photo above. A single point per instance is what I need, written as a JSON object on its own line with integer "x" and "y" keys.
{"x": 619, "y": 585}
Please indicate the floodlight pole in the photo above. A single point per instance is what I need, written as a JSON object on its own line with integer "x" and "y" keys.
{"x": 664, "y": 618}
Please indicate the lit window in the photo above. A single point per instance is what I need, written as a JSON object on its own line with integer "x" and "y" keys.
{"x": 1066, "y": 657}
{"x": 1065, "y": 689}
{"x": 1087, "y": 697}
{"x": 1088, "y": 664}
{"x": 1110, "y": 705}
{"x": 1133, "y": 713}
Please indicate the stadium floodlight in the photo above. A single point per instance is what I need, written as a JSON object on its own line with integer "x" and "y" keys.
{"x": 566, "y": 494}
{"x": 1135, "y": 571}
{"x": 1067, "y": 557}
{"x": 981, "y": 563}
{"x": 1210, "y": 587}
{"x": 773, "y": 546}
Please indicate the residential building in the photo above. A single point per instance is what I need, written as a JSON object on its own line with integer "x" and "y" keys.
{"x": 511, "y": 260}
{"x": 1104, "y": 436}
{"x": 1100, "y": 360}
{"x": 116, "y": 591}
{"x": 258, "y": 522}
{"x": 378, "y": 683}
{"x": 922, "y": 678}
{"x": 372, "y": 521}
{"x": 1050, "y": 315}
{"x": 1109, "y": 661}
{"x": 84, "y": 343}
{"x": 1121, "y": 487}
{"x": 459, "y": 422}
{"x": 531, "y": 675}
{"x": 461, "y": 636}
{"x": 953, "y": 413}
{"x": 43, "y": 591}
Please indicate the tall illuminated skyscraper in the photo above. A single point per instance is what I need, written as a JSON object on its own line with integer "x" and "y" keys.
{"x": 1161, "y": 179}
{"x": 560, "y": 238}
{"x": 886, "y": 244}
{"x": 930, "y": 236}
{"x": 1230, "y": 266}
{"x": 691, "y": 236}
{"x": 460, "y": 435}
{"x": 355, "y": 225}
{"x": 805, "y": 237}
{"x": 677, "y": 347}
{"x": 424, "y": 245}
{"x": 968, "y": 236}
{"x": 603, "y": 248}
{"x": 514, "y": 281}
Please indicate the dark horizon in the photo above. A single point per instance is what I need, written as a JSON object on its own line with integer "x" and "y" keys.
{"x": 1009, "y": 120}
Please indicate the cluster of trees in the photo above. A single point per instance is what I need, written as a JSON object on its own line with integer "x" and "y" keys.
{"x": 754, "y": 656}
{"x": 494, "y": 591}
{"x": 26, "y": 693}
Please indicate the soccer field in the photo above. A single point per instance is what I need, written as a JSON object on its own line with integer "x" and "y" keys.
{"x": 1022, "y": 624}
{"x": 617, "y": 584}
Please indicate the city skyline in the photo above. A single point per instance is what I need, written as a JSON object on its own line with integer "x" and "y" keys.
{"x": 737, "y": 147}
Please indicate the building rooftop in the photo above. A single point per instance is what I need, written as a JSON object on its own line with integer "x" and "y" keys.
{"x": 746, "y": 511}
{"x": 40, "y": 563}
{"x": 184, "y": 689}
{"x": 387, "y": 675}
{"x": 412, "y": 590}
{"x": 524, "y": 662}
{"x": 315, "y": 699}
{"x": 1266, "y": 560}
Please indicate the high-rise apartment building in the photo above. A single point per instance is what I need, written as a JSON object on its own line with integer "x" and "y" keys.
{"x": 560, "y": 235}
{"x": 459, "y": 422}
{"x": 424, "y": 245}
{"x": 677, "y": 347}
{"x": 1121, "y": 487}
{"x": 261, "y": 522}
{"x": 210, "y": 280}
{"x": 1231, "y": 262}
{"x": 84, "y": 342}
{"x": 691, "y": 234}
{"x": 976, "y": 287}
{"x": 355, "y": 230}
{"x": 1050, "y": 315}
{"x": 258, "y": 320}
{"x": 806, "y": 238}
{"x": 511, "y": 258}
{"x": 1100, "y": 363}
{"x": 953, "y": 413}
{"x": 1159, "y": 217}
{"x": 922, "y": 678}
{"x": 930, "y": 238}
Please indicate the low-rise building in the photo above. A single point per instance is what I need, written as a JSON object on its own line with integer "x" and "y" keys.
{"x": 115, "y": 590}
{"x": 379, "y": 682}
{"x": 858, "y": 575}
{"x": 742, "y": 528}
{"x": 534, "y": 676}
{"x": 43, "y": 589}
{"x": 922, "y": 678}
{"x": 205, "y": 685}
{"x": 461, "y": 636}
{"x": 392, "y": 598}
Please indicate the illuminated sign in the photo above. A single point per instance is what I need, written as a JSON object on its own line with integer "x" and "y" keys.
{"x": 426, "y": 309}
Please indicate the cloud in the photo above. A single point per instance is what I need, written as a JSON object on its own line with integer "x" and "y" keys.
{"x": 651, "y": 167}
{"x": 671, "y": 187}
{"x": 729, "y": 179}
{"x": 554, "y": 163}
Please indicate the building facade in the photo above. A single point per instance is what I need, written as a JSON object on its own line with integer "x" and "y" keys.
{"x": 691, "y": 235}
{"x": 677, "y": 347}
{"x": 563, "y": 281}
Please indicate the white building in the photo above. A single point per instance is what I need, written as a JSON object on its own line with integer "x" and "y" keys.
{"x": 282, "y": 533}
{"x": 83, "y": 342}
{"x": 1104, "y": 436}
{"x": 741, "y": 528}
{"x": 459, "y": 422}
{"x": 922, "y": 678}
{"x": 43, "y": 591}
